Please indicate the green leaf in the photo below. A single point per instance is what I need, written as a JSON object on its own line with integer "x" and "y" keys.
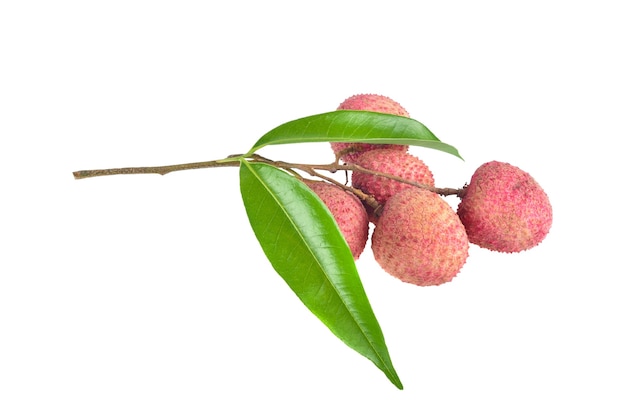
{"x": 304, "y": 245}
{"x": 357, "y": 127}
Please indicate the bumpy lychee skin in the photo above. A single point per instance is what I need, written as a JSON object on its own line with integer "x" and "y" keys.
{"x": 368, "y": 102}
{"x": 373, "y": 102}
{"x": 348, "y": 212}
{"x": 404, "y": 165}
{"x": 504, "y": 209}
{"x": 420, "y": 239}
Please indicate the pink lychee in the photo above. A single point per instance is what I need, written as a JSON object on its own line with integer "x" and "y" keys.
{"x": 348, "y": 211}
{"x": 367, "y": 102}
{"x": 389, "y": 161}
{"x": 419, "y": 238}
{"x": 504, "y": 209}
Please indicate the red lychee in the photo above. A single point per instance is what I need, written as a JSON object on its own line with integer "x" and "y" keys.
{"x": 367, "y": 102}
{"x": 504, "y": 209}
{"x": 389, "y": 161}
{"x": 348, "y": 211}
{"x": 419, "y": 238}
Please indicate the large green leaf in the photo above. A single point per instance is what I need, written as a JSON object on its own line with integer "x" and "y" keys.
{"x": 354, "y": 126}
{"x": 304, "y": 245}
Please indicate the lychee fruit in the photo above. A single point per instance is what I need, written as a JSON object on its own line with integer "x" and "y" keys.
{"x": 367, "y": 102}
{"x": 348, "y": 211}
{"x": 504, "y": 209}
{"x": 389, "y": 161}
{"x": 419, "y": 239}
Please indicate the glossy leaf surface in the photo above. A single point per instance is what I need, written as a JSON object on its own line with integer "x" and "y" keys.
{"x": 354, "y": 126}
{"x": 304, "y": 245}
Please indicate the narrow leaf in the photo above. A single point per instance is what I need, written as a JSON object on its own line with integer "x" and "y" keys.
{"x": 304, "y": 245}
{"x": 354, "y": 126}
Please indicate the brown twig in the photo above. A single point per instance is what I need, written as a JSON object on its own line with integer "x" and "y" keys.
{"x": 235, "y": 160}
{"x": 162, "y": 170}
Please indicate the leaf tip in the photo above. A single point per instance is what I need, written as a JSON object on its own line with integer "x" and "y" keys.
{"x": 399, "y": 385}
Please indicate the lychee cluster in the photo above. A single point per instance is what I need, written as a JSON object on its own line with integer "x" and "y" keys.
{"x": 418, "y": 237}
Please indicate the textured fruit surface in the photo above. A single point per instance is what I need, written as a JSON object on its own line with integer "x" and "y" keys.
{"x": 404, "y": 165}
{"x": 368, "y": 102}
{"x": 420, "y": 239}
{"x": 504, "y": 209}
{"x": 373, "y": 102}
{"x": 348, "y": 212}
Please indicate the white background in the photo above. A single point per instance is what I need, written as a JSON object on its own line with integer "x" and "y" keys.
{"x": 150, "y": 294}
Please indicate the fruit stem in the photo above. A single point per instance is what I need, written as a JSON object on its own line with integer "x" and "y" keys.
{"x": 162, "y": 170}
{"x": 235, "y": 159}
